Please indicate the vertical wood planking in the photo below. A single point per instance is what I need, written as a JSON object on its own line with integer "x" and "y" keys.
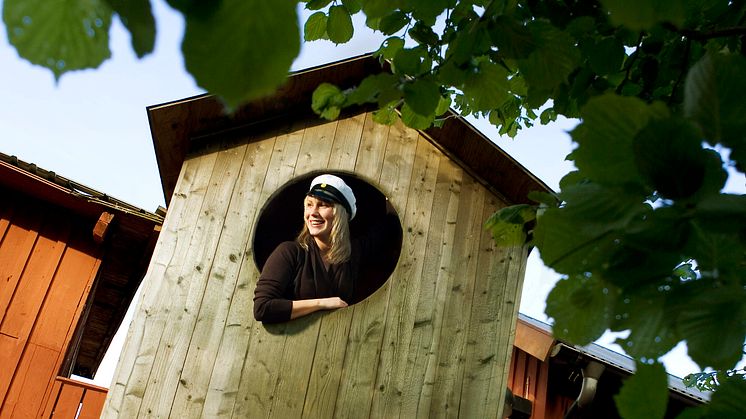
{"x": 402, "y": 308}
{"x": 33, "y": 374}
{"x": 483, "y": 339}
{"x": 334, "y": 329}
{"x": 292, "y": 383}
{"x": 225, "y": 378}
{"x": 6, "y": 213}
{"x": 514, "y": 259}
{"x": 346, "y": 143}
{"x": 451, "y": 357}
{"x": 363, "y": 345}
{"x": 396, "y": 178}
{"x": 134, "y": 366}
{"x": 449, "y": 178}
{"x": 29, "y": 295}
{"x": 262, "y": 350}
{"x": 68, "y": 402}
{"x": 15, "y": 249}
{"x": 316, "y": 148}
{"x": 423, "y": 342}
{"x": 221, "y": 281}
{"x": 93, "y": 402}
{"x": 191, "y": 281}
{"x": 370, "y": 154}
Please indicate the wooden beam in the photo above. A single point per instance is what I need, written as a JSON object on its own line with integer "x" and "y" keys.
{"x": 102, "y": 226}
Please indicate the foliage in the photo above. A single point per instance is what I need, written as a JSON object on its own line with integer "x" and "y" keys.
{"x": 711, "y": 380}
{"x": 645, "y": 238}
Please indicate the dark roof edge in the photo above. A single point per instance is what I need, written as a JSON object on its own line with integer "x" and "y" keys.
{"x": 77, "y": 190}
{"x": 621, "y": 362}
{"x": 174, "y": 124}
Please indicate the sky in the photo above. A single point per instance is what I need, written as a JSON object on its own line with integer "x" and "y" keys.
{"x": 91, "y": 127}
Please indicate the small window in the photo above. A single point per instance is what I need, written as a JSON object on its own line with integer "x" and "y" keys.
{"x": 281, "y": 220}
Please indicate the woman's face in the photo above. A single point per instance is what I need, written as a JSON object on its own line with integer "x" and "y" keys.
{"x": 319, "y": 218}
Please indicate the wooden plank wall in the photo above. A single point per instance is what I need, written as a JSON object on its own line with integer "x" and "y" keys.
{"x": 48, "y": 262}
{"x": 435, "y": 340}
{"x": 74, "y": 399}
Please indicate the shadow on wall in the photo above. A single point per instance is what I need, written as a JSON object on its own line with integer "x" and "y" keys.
{"x": 281, "y": 220}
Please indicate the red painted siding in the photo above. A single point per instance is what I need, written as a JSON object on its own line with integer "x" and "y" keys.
{"x": 48, "y": 262}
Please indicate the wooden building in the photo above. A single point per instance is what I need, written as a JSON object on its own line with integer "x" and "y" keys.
{"x": 71, "y": 259}
{"x": 433, "y": 340}
{"x": 551, "y": 379}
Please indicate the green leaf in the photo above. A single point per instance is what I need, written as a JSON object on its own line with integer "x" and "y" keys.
{"x": 369, "y": 89}
{"x": 422, "y": 96}
{"x": 554, "y": 58}
{"x": 643, "y": 312}
{"x": 645, "y": 394}
{"x": 507, "y": 224}
{"x": 378, "y": 8}
{"x": 423, "y": 34}
{"x": 315, "y": 27}
{"x": 317, "y": 4}
{"x": 386, "y": 115}
{"x": 487, "y": 87}
{"x": 444, "y": 105}
{"x": 669, "y": 155}
{"x": 599, "y": 208}
{"x": 713, "y": 323}
{"x": 137, "y": 17}
{"x": 393, "y": 22}
{"x": 195, "y": 8}
{"x": 428, "y": 10}
{"x": 606, "y": 137}
{"x": 415, "y": 120}
{"x": 644, "y": 14}
{"x": 409, "y": 61}
{"x": 327, "y": 101}
{"x": 581, "y": 308}
{"x": 713, "y": 99}
{"x": 606, "y": 56}
{"x": 544, "y": 198}
{"x": 714, "y": 251}
{"x": 389, "y": 48}
{"x": 339, "y": 26}
{"x": 567, "y": 245}
{"x": 512, "y": 39}
{"x": 72, "y": 35}
{"x": 353, "y": 6}
{"x": 244, "y": 50}
{"x": 728, "y": 401}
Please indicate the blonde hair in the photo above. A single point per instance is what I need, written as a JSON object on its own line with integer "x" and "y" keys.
{"x": 340, "y": 248}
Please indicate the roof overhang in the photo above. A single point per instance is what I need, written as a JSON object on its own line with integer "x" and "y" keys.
{"x": 129, "y": 243}
{"x": 174, "y": 126}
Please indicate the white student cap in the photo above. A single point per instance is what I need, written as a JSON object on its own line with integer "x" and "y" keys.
{"x": 334, "y": 189}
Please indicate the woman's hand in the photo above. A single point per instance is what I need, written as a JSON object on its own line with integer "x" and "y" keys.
{"x": 305, "y": 307}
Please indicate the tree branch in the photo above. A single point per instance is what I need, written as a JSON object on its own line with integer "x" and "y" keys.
{"x": 703, "y": 36}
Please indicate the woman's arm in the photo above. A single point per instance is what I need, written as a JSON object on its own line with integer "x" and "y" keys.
{"x": 270, "y": 302}
{"x": 305, "y": 307}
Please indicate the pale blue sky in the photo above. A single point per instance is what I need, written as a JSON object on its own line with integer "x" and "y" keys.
{"x": 92, "y": 127}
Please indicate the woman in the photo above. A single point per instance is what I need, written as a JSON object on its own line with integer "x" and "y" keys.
{"x": 316, "y": 271}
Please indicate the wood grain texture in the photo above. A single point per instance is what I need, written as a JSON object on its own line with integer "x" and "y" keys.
{"x": 211, "y": 320}
{"x": 432, "y": 341}
{"x": 191, "y": 279}
{"x": 133, "y": 369}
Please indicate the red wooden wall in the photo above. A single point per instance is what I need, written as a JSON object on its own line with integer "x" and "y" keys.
{"x": 48, "y": 262}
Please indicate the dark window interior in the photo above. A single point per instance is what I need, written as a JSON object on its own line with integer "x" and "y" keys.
{"x": 282, "y": 219}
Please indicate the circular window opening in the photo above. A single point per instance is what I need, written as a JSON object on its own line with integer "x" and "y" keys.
{"x": 281, "y": 220}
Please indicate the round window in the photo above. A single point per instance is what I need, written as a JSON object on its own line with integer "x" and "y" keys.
{"x": 281, "y": 220}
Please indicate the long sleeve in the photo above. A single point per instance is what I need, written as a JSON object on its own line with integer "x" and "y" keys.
{"x": 271, "y": 296}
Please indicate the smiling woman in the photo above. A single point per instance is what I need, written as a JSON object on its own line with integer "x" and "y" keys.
{"x": 330, "y": 264}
